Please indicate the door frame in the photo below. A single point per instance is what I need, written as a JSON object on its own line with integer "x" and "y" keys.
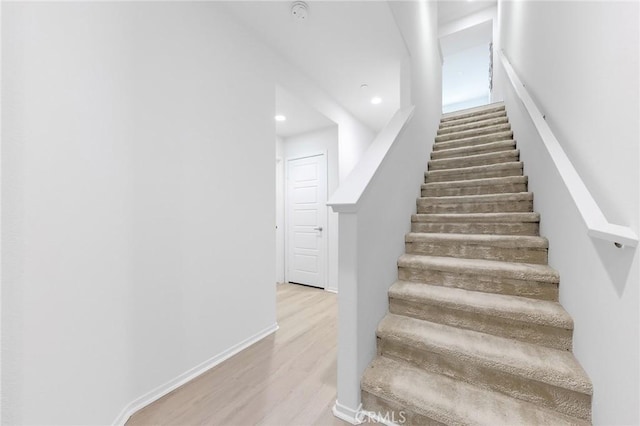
{"x": 325, "y": 230}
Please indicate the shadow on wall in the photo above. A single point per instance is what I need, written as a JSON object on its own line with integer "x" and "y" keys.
{"x": 617, "y": 263}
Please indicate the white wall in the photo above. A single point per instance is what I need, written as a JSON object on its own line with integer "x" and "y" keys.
{"x": 200, "y": 246}
{"x": 468, "y": 23}
{"x": 384, "y": 215}
{"x": 133, "y": 159}
{"x": 354, "y": 137}
{"x": 579, "y": 61}
{"x": 372, "y": 235}
{"x": 280, "y": 210}
{"x": 471, "y": 103}
{"x": 133, "y": 162}
{"x": 311, "y": 143}
{"x": 465, "y": 78}
{"x": 67, "y": 213}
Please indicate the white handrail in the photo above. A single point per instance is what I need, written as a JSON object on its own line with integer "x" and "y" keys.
{"x": 597, "y": 224}
{"x": 349, "y": 194}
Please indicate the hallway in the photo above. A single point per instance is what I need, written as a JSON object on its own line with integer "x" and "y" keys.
{"x": 288, "y": 378}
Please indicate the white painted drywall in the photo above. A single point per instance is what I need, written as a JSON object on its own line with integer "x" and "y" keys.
{"x": 353, "y": 136}
{"x": 300, "y": 118}
{"x": 579, "y": 61}
{"x": 372, "y": 238}
{"x": 476, "y": 18}
{"x": 474, "y": 24}
{"x": 67, "y": 213}
{"x": 471, "y": 103}
{"x": 465, "y": 68}
{"x": 135, "y": 160}
{"x": 465, "y": 78}
{"x": 1, "y": 198}
{"x": 385, "y": 213}
{"x": 341, "y": 45}
{"x": 203, "y": 164}
{"x": 280, "y": 255}
{"x": 312, "y": 143}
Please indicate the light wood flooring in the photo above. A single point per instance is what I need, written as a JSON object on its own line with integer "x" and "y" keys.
{"x": 288, "y": 378}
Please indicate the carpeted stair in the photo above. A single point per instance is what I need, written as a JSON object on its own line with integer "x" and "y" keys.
{"x": 474, "y": 333}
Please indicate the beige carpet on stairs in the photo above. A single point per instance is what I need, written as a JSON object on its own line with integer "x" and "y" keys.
{"x": 475, "y": 334}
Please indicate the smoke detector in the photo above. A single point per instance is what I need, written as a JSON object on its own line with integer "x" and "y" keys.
{"x": 299, "y": 11}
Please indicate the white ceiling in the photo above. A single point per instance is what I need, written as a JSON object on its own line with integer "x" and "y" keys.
{"x": 450, "y": 10}
{"x": 341, "y": 45}
{"x": 300, "y": 117}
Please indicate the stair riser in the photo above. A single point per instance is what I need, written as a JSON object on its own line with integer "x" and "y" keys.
{"x": 473, "y": 150}
{"x": 523, "y": 228}
{"x": 552, "y": 337}
{"x": 478, "y": 251}
{"x": 425, "y": 206}
{"x": 472, "y": 133}
{"x": 484, "y": 283}
{"x": 466, "y": 369}
{"x": 484, "y": 160}
{"x": 477, "y": 124}
{"x": 457, "y": 122}
{"x": 474, "y": 190}
{"x": 394, "y": 411}
{"x": 473, "y": 114}
{"x": 477, "y": 140}
{"x": 461, "y": 174}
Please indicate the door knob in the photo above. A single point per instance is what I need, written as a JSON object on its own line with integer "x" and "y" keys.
{"x": 318, "y": 228}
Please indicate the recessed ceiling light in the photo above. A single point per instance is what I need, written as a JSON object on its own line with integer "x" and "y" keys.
{"x": 280, "y": 118}
{"x": 376, "y": 100}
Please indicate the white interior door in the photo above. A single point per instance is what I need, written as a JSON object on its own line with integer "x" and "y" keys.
{"x": 307, "y": 220}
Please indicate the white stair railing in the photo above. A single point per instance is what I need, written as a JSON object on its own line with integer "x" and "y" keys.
{"x": 597, "y": 224}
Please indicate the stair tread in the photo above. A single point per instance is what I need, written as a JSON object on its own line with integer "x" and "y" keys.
{"x": 542, "y": 364}
{"x": 484, "y": 116}
{"x": 482, "y": 198}
{"x": 474, "y": 334}
{"x": 476, "y": 124}
{"x": 476, "y": 182}
{"x": 541, "y": 312}
{"x": 514, "y": 270}
{"x": 473, "y": 149}
{"x": 476, "y": 217}
{"x": 464, "y": 134}
{"x": 483, "y": 156}
{"x": 450, "y": 401}
{"x": 502, "y": 135}
{"x": 475, "y": 169}
{"x": 506, "y": 241}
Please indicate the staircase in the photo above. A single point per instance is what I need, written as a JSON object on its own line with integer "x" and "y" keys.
{"x": 474, "y": 333}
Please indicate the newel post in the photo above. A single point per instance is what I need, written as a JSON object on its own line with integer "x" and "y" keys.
{"x": 348, "y": 400}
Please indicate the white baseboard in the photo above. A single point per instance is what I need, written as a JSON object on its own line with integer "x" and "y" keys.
{"x": 189, "y": 375}
{"x": 347, "y": 414}
{"x": 331, "y": 290}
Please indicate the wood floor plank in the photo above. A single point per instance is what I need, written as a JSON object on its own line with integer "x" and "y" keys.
{"x": 288, "y": 378}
